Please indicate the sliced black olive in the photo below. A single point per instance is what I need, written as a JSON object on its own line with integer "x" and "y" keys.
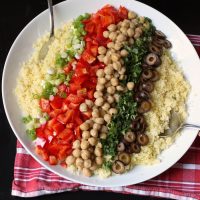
{"x": 120, "y": 147}
{"x": 155, "y": 76}
{"x": 143, "y": 139}
{"x": 167, "y": 44}
{"x": 155, "y": 49}
{"x": 160, "y": 34}
{"x": 135, "y": 148}
{"x": 130, "y": 136}
{"x": 125, "y": 158}
{"x": 137, "y": 98}
{"x": 144, "y": 95}
{"x": 135, "y": 126}
{"x": 139, "y": 124}
{"x": 129, "y": 149}
{"x": 152, "y": 59}
{"x": 125, "y": 142}
{"x": 147, "y": 74}
{"x": 144, "y": 107}
{"x": 118, "y": 167}
{"x": 159, "y": 42}
{"x": 148, "y": 86}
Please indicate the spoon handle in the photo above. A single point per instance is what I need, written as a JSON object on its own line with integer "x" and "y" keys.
{"x": 50, "y": 6}
{"x": 192, "y": 126}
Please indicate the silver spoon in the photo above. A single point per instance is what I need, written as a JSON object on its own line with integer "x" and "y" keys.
{"x": 175, "y": 124}
{"x": 44, "y": 50}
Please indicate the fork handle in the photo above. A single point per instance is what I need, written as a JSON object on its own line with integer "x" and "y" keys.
{"x": 191, "y": 126}
{"x": 50, "y": 6}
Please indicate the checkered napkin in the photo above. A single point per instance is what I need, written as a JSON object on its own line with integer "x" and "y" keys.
{"x": 181, "y": 181}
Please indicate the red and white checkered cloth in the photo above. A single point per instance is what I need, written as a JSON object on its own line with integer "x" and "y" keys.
{"x": 181, "y": 181}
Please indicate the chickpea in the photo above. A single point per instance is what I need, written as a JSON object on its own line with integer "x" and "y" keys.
{"x": 84, "y": 126}
{"x": 99, "y": 102}
{"x": 101, "y": 80}
{"x": 107, "y": 60}
{"x": 99, "y": 120}
{"x": 130, "y": 32}
{"x": 87, "y": 163}
{"x": 102, "y": 112}
{"x": 86, "y": 172}
{"x": 108, "y": 70}
{"x": 93, "y": 167}
{"x": 98, "y": 151}
{"x": 85, "y": 154}
{"x": 134, "y": 21}
{"x": 85, "y": 135}
{"x": 100, "y": 57}
{"x": 112, "y": 27}
{"x": 121, "y": 37}
{"x": 108, "y": 77}
{"x": 113, "y": 36}
{"x": 131, "y": 41}
{"x": 121, "y": 61}
{"x": 141, "y": 19}
{"x": 117, "y": 65}
{"x": 116, "y": 75}
{"x": 98, "y": 94}
{"x": 99, "y": 160}
{"x": 100, "y": 73}
{"x": 111, "y": 90}
{"x": 116, "y": 96}
{"x": 131, "y": 15}
{"x": 99, "y": 145}
{"x": 122, "y": 71}
{"x": 94, "y": 133}
{"x": 120, "y": 88}
{"x": 114, "y": 81}
{"x": 90, "y": 122}
{"x": 123, "y": 52}
{"x": 107, "y": 118}
{"x": 136, "y": 35}
{"x": 124, "y": 30}
{"x": 95, "y": 113}
{"x": 76, "y": 144}
{"x": 79, "y": 162}
{"x": 115, "y": 57}
{"x": 102, "y": 50}
{"x": 122, "y": 77}
{"x": 111, "y": 45}
{"x": 92, "y": 141}
{"x": 110, "y": 99}
{"x": 84, "y": 144}
{"x": 76, "y": 153}
{"x": 118, "y": 46}
{"x": 103, "y": 135}
{"x": 99, "y": 87}
{"x": 106, "y": 106}
{"x": 130, "y": 85}
{"x": 113, "y": 111}
{"x": 96, "y": 126}
{"x": 104, "y": 129}
{"x": 83, "y": 107}
{"x": 70, "y": 160}
{"x": 119, "y": 24}
{"x": 89, "y": 103}
{"x": 106, "y": 34}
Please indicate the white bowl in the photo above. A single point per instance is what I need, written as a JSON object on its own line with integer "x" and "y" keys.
{"x": 182, "y": 51}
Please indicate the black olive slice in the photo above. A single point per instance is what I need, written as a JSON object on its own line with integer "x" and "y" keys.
{"x": 120, "y": 147}
{"x": 147, "y": 74}
{"x": 152, "y": 59}
{"x": 143, "y": 139}
{"x": 135, "y": 148}
{"x": 145, "y": 106}
{"x": 148, "y": 86}
{"x": 155, "y": 76}
{"x": 155, "y": 49}
{"x": 130, "y": 136}
{"x": 167, "y": 44}
{"x": 125, "y": 158}
{"x": 160, "y": 34}
{"x": 118, "y": 167}
{"x": 144, "y": 95}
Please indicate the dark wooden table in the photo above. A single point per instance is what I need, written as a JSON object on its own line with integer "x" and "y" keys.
{"x": 14, "y": 15}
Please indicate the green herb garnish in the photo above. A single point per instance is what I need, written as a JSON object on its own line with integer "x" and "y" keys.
{"x": 48, "y": 90}
{"x": 31, "y": 134}
{"x": 27, "y": 119}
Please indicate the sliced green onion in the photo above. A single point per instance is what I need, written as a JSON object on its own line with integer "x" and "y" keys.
{"x": 31, "y": 133}
{"x": 27, "y": 119}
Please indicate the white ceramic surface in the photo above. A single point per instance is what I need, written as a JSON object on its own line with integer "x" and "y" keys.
{"x": 182, "y": 51}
